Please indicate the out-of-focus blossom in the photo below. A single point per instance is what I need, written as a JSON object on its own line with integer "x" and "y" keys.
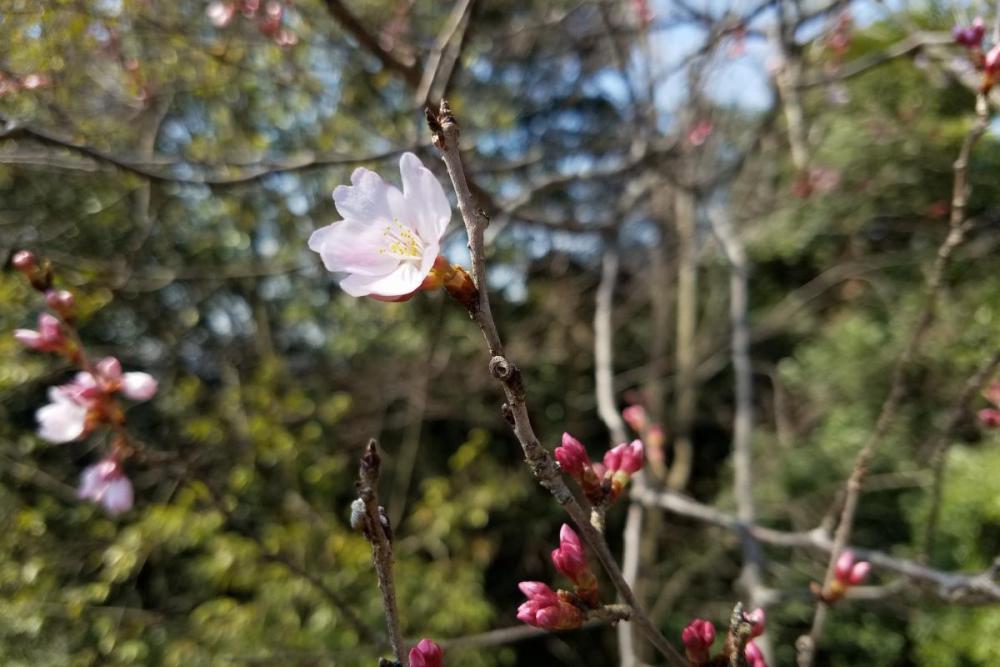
{"x": 847, "y": 572}
{"x": 48, "y": 338}
{"x": 970, "y": 36}
{"x": 571, "y": 560}
{"x": 426, "y": 654}
{"x": 135, "y": 386}
{"x": 989, "y": 417}
{"x": 754, "y": 656}
{"x": 64, "y": 419}
{"x": 643, "y": 12}
{"x": 547, "y": 609}
{"x": 700, "y": 133}
{"x": 24, "y": 260}
{"x": 992, "y": 393}
{"x": 61, "y": 301}
{"x": 221, "y": 13}
{"x": 698, "y": 637}
{"x": 105, "y": 483}
{"x": 991, "y": 62}
{"x": 389, "y": 240}
{"x": 757, "y": 620}
{"x": 626, "y": 458}
{"x": 636, "y": 418}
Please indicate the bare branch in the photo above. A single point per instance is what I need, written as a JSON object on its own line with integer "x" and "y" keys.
{"x": 978, "y": 588}
{"x": 956, "y": 233}
{"x": 446, "y": 134}
{"x": 374, "y": 522}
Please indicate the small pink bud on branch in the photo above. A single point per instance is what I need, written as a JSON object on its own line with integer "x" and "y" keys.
{"x": 571, "y": 561}
{"x": 426, "y": 654}
{"x": 698, "y": 637}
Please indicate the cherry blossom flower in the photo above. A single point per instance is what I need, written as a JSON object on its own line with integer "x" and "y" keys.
{"x": 547, "y": 609}
{"x": 698, "y": 637}
{"x": 426, "y": 654}
{"x": 106, "y": 484}
{"x": 64, "y": 419}
{"x": 389, "y": 240}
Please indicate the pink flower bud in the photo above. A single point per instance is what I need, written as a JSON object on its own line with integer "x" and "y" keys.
{"x": 859, "y": 573}
{"x": 698, "y": 637}
{"x": 48, "y": 338}
{"x": 547, "y": 609}
{"x": 109, "y": 368}
{"x": 426, "y": 654}
{"x": 571, "y": 560}
{"x": 61, "y": 301}
{"x": 757, "y": 618}
{"x": 139, "y": 386}
{"x": 24, "y": 260}
{"x": 626, "y": 458}
{"x": 849, "y": 572}
{"x": 989, "y": 417}
{"x": 635, "y": 417}
{"x": 572, "y": 456}
{"x": 842, "y": 568}
{"x": 754, "y": 656}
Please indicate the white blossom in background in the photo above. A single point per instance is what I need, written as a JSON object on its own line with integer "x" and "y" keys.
{"x": 106, "y": 484}
{"x": 64, "y": 419}
{"x": 389, "y": 240}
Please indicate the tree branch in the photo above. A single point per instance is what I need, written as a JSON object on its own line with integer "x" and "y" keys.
{"x": 515, "y": 410}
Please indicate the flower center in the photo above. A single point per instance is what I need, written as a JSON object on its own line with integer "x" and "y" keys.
{"x": 400, "y": 242}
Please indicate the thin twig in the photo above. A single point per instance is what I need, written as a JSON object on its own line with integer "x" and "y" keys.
{"x": 375, "y": 524}
{"x": 543, "y": 466}
{"x": 975, "y": 588}
{"x": 739, "y": 305}
{"x": 939, "y": 452}
{"x": 807, "y": 644}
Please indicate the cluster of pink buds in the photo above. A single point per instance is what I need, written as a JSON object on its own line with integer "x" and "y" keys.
{"x": 699, "y": 635}
{"x": 987, "y": 62}
{"x": 602, "y": 483}
{"x": 90, "y": 400}
{"x": 426, "y": 654}
{"x": 847, "y": 572}
{"x": 653, "y": 436}
{"x": 990, "y": 417}
{"x": 548, "y": 609}
{"x": 562, "y": 610}
{"x": 269, "y": 21}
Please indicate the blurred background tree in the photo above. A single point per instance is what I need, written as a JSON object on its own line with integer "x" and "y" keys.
{"x": 171, "y": 159}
